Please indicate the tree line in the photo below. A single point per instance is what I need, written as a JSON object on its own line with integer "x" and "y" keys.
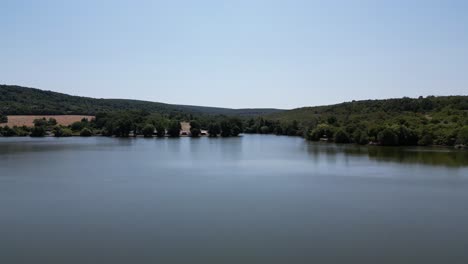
{"x": 130, "y": 123}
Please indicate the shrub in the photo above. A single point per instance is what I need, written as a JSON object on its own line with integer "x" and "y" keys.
{"x": 86, "y": 132}
{"x": 21, "y": 131}
{"x": 264, "y": 130}
{"x": 8, "y": 132}
{"x": 77, "y": 126}
{"x": 38, "y": 131}
{"x": 3, "y": 118}
{"x": 52, "y": 122}
{"x": 66, "y": 132}
{"x": 62, "y": 132}
{"x": 42, "y": 122}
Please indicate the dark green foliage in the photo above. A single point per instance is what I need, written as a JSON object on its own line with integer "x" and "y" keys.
{"x": 173, "y": 130}
{"x": 38, "y": 131}
{"x": 214, "y": 129}
{"x": 195, "y": 132}
{"x": 406, "y": 136}
{"x": 122, "y": 126}
{"x": 235, "y": 131}
{"x": 40, "y": 122}
{"x": 388, "y": 137}
{"x": 21, "y": 131}
{"x": 3, "y": 118}
{"x": 291, "y": 129}
{"x": 62, "y": 132}
{"x": 52, "y": 122}
{"x": 322, "y": 131}
{"x": 225, "y": 128}
{"x": 78, "y": 126}
{"x": 426, "y": 140}
{"x": 160, "y": 130}
{"x": 341, "y": 136}
{"x": 86, "y": 132}
{"x": 17, "y": 100}
{"x": 462, "y": 137}
{"x": 148, "y": 130}
{"x": 6, "y": 131}
{"x": 195, "y": 128}
{"x": 440, "y": 118}
{"x": 265, "y": 130}
{"x": 360, "y": 137}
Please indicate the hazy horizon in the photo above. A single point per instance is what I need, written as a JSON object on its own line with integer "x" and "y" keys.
{"x": 243, "y": 54}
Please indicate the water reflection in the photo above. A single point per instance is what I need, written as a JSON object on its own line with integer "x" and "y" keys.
{"x": 435, "y": 156}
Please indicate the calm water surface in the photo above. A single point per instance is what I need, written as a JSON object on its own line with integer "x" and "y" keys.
{"x": 252, "y": 199}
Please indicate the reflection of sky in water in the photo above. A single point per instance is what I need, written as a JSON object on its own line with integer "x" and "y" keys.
{"x": 253, "y": 199}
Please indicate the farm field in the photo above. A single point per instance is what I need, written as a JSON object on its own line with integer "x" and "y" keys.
{"x": 27, "y": 120}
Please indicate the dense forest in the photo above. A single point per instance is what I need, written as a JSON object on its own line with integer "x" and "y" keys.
{"x": 17, "y": 100}
{"x": 422, "y": 121}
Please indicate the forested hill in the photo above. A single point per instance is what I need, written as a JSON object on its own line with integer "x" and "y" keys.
{"x": 373, "y": 110}
{"x": 441, "y": 120}
{"x": 17, "y": 100}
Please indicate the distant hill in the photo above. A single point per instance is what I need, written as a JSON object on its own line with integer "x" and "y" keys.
{"x": 367, "y": 110}
{"x": 18, "y": 100}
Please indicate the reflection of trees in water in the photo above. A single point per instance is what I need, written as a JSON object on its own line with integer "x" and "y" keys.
{"x": 420, "y": 155}
{"x": 415, "y": 155}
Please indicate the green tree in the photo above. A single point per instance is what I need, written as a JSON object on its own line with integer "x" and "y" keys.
{"x": 148, "y": 130}
{"x": 214, "y": 129}
{"x": 123, "y": 126}
{"x": 77, "y": 126}
{"x": 388, "y": 137}
{"x": 41, "y": 122}
{"x": 21, "y": 131}
{"x": 195, "y": 132}
{"x": 174, "y": 128}
{"x": 160, "y": 129}
{"x": 264, "y": 130}
{"x": 235, "y": 131}
{"x": 52, "y": 122}
{"x": 426, "y": 140}
{"x": 321, "y": 131}
{"x": 38, "y": 131}
{"x": 406, "y": 136}
{"x": 86, "y": 132}
{"x": 3, "y": 118}
{"x": 225, "y": 128}
{"x": 341, "y": 136}
{"x": 62, "y": 131}
{"x": 462, "y": 136}
{"x": 8, "y": 132}
{"x": 195, "y": 128}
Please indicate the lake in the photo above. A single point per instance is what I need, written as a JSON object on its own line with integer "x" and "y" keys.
{"x": 251, "y": 199}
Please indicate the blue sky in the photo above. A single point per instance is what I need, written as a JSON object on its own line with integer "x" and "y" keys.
{"x": 241, "y": 53}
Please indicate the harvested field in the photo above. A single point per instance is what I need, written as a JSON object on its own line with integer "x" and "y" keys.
{"x": 27, "y": 120}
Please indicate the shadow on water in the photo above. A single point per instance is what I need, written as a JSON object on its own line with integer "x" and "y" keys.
{"x": 434, "y": 156}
